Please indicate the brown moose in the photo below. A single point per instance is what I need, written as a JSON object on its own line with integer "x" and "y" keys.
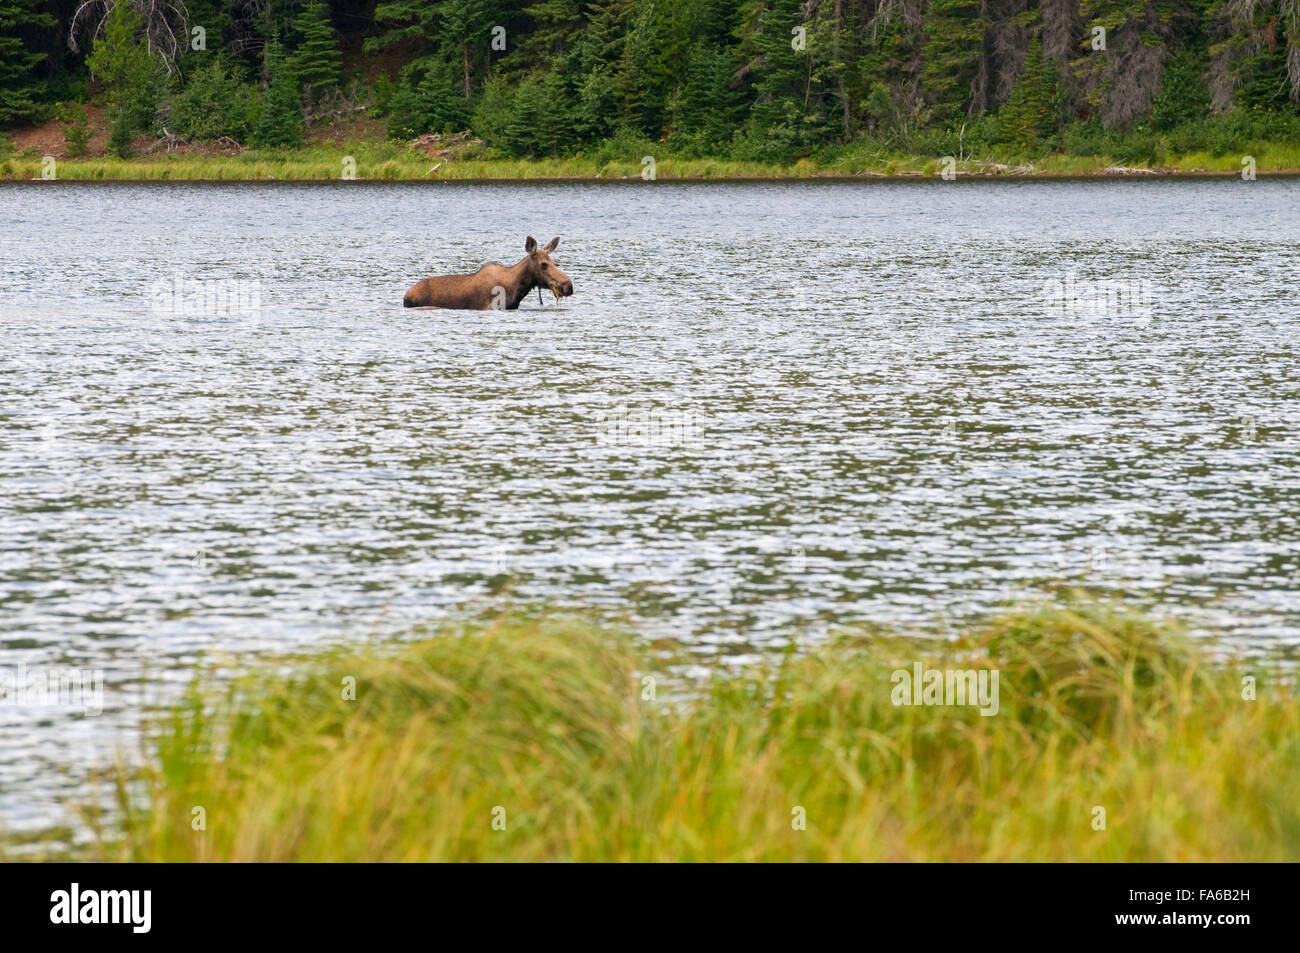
{"x": 494, "y": 285}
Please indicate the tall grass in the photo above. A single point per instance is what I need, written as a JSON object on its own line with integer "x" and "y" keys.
{"x": 389, "y": 161}
{"x": 376, "y": 161}
{"x": 547, "y": 726}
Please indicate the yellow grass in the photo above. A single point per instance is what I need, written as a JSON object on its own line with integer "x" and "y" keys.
{"x": 580, "y": 745}
{"x": 390, "y": 161}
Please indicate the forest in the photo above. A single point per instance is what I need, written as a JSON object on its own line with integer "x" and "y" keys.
{"x": 756, "y": 80}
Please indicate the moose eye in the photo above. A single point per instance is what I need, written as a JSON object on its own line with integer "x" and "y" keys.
{"x": 545, "y": 265}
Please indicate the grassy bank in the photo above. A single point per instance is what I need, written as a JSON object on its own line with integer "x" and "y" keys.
{"x": 392, "y": 161}
{"x": 547, "y": 726}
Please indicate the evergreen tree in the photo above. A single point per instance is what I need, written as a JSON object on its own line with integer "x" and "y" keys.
{"x": 427, "y": 100}
{"x": 953, "y": 46}
{"x": 132, "y": 77}
{"x": 19, "y": 91}
{"x": 317, "y": 61}
{"x": 598, "y": 52}
{"x": 553, "y": 24}
{"x": 214, "y": 102}
{"x": 885, "y": 77}
{"x": 704, "y": 107}
{"x": 1183, "y": 97}
{"x": 1263, "y": 83}
{"x": 765, "y": 79}
{"x": 451, "y": 41}
{"x": 216, "y": 19}
{"x": 1032, "y": 112}
{"x": 789, "y": 58}
{"x": 279, "y": 122}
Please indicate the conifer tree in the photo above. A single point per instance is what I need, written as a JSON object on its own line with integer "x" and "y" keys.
{"x": 788, "y": 56}
{"x": 761, "y": 79}
{"x": 18, "y": 87}
{"x": 954, "y": 42}
{"x": 216, "y": 20}
{"x": 132, "y": 76}
{"x": 317, "y": 61}
{"x": 1031, "y": 112}
{"x": 279, "y": 122}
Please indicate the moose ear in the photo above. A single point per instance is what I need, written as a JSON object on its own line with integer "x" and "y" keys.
{"x": 554, "y": 242}
{"x": 531, "y": 245}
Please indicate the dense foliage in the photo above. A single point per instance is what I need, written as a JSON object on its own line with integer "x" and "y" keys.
{"x": 749, "y": 79}
{"x": 131, "y": 75}
{"x": 19, "y": 90}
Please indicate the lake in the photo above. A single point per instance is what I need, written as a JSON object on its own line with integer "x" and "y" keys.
{"x": 768, "y": 410}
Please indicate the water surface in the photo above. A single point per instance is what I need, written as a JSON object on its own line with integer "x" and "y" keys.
{"x": 768, "y": 409}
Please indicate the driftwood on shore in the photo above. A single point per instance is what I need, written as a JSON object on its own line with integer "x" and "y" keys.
{"x": 446, "y": 147}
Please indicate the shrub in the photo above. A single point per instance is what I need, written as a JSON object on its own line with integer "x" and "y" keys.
{"x": 76, "y": 131}
{"x": 382, "y": 93}
{"x": 1088, "y": 138}
{"x": 426, "y": 100}
{"x": 214, "y": 102}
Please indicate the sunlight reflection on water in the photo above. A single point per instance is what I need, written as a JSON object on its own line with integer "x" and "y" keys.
{"x": 768, "y": 409}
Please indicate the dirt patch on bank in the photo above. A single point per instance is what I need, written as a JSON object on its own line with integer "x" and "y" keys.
{"x": 49, "y": 139}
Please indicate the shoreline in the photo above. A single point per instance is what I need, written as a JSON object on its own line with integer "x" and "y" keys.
{"x": 827, "y": 178}
{"x": 368, "y": 161}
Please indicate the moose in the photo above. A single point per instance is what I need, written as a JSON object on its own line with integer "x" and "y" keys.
{"x": 494, "y": 285}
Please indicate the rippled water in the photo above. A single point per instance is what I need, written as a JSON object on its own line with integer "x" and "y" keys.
{"x": 768, "y": 408}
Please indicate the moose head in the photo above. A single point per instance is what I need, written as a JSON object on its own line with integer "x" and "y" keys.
{"x": 542, "y": 271}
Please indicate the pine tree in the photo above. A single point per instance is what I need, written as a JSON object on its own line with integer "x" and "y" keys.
{"x": 18, "y": 88}
{"x": 279, "y": 122}
{"x": 216, "y": 19}
{"x": 133, "y": 78}
{"x": 214, "y": 102}
{"x": 885, "y": 76}
{"x": 954, "y": 43}
{"x": 765, "y": 79}
{"x": 428, "y": 100}
{"x": 597, "y": 54}
{"x": 1183, "y": 96}
{"x": 790, "y": 56}
{"x": 451, "y": 42}
{"x": 1120, "y": 79}
{"x": 704, "y": 106}
{"x": 1032, "y": 111}
{"x": 317, "y": 61}
{"x": 552, "y": 26}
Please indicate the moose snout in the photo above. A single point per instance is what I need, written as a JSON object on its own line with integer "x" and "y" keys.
{"x": 566, "y": 287}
